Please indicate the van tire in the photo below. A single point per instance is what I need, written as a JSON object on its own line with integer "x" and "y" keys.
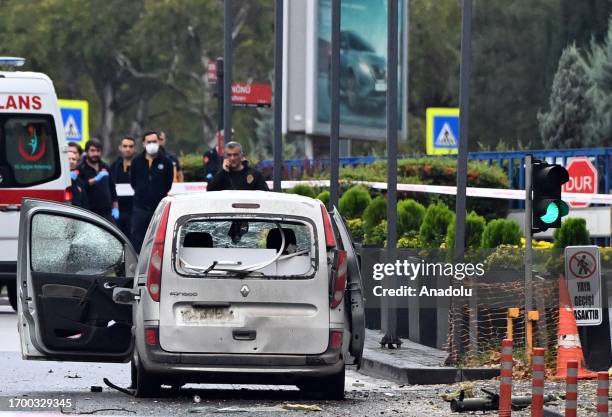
{"x": 147, "y": 384}
{"x": 11, "y": 290}
{"x": 329, "y": 387}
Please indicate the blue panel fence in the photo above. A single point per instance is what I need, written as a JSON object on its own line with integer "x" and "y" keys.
{"x": 512, "y": 162}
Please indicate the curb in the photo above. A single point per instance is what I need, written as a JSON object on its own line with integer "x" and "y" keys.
{"x": 424, "y": 375}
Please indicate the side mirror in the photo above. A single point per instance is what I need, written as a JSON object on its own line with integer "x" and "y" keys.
{"x": 126, "y": 295}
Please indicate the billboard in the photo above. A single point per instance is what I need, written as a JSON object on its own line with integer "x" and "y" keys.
{"x": 363, "y": 68}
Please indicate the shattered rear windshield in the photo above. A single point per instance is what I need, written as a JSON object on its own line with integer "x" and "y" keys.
{"x": 246, "y": 247}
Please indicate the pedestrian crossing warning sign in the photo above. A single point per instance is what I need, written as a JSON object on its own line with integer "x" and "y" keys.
{"x": 442, "y": 131}
{"x": 71, "y": 128}
{"x": 446, "y": 137}
{"x": 75, "y": 119}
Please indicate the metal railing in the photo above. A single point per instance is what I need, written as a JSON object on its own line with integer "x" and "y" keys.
{"x": 512, "y": 162}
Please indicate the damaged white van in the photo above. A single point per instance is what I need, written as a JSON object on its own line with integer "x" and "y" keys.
{"x": 230, "y": 287}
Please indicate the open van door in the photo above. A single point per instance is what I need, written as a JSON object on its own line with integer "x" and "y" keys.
{"x": 69, "y": 262}
{"x": 354, "y": 286}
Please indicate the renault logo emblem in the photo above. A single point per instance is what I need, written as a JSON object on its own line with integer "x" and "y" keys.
{"x": 244, "y": 290}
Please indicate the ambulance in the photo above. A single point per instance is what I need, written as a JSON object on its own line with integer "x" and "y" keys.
{"x": 33, "y": 160}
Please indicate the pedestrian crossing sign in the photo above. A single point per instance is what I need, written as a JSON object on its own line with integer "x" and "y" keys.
{"x": 442, "y": 130}
{"x": 75, "y": 120}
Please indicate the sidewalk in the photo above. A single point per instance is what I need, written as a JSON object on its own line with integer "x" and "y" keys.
{"x": 414, "y": 363}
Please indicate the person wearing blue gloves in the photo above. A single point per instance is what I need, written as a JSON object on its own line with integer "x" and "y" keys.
{"x": 99, "y": 185}
{"x": 79, "y": 198}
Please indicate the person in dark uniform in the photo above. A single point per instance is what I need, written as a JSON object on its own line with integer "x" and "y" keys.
{"x": 77, "y": 187}
{"x": 210, "y": 159}
{"x": 120, "y": 173}
{"x": 99, "y": 186}
{"x": 236, "y": 173}
{"x": 151, "y": 178}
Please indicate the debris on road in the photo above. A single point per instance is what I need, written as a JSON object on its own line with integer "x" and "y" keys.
{"x": 232, "y": 410}
{"x": 72, "y": 376}
{"x": 127, "y": 391}
{"x": 466, "y": 390}
{"x": 96, "y": 388}
{"x": 99, "y": 410}
{"x": 463, "y": 404}
{"x": 301, "y": 407}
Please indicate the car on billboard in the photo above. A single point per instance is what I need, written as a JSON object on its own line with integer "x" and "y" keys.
{"x": 229, "y": 287}
{"x": 363, "y": 74}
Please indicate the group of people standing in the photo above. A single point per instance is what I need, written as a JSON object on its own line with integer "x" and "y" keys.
{"x": 150, "y": 174}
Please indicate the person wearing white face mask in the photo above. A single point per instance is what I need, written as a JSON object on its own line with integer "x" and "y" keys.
{"x": 151, "y": 176}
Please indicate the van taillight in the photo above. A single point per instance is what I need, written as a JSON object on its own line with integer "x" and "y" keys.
{"x": 68, "y": 195}
{"x": 335, "y": 339}
{"x": 339, "y": 279}
{"x": 151, "y": 336}
{"x": 330, "y": 238}
{"x": 157, "y": 256}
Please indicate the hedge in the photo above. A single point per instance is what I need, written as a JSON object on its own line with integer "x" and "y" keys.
{"x": 354, "y": 201}
{"x": 501, "y": 232}
{"x": 573, "y": 232}
{"x": 437, "y": 171}
{"x": 435, "y": 225}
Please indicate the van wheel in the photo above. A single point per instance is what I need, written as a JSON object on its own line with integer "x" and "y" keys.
{"x": 147, "y": 384}
{"x": 11, "y": 290}
{"x": 329, "y": 387}
{"x": 133, "y": 374}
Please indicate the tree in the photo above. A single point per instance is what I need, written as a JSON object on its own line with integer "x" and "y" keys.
{"x": 584, "y": 21}
{"x": 516, "y": 48}
{"x": 141, "y": 64}
{"x": 566, "y": 124}
{"x": 599, "y": 66}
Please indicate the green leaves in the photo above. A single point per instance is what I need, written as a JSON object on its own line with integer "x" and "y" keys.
{"x": 565, "y": 125}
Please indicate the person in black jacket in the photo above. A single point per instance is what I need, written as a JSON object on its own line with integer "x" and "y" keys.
{"x": 120, "y": 173}
{"x": 236, "y": 173}
{"x": 79, "y": 197}
{"x": 151, "y": 178}
{"x": 99, "y": 186}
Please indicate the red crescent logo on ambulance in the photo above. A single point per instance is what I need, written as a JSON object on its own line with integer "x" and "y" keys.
{"x": 34, "y": 149}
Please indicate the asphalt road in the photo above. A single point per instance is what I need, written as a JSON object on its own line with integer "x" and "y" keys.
{"x": 22, "y": 380}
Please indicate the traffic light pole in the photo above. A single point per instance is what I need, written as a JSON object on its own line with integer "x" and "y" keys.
{"x": 528, "y": 234}
{"x": 278, "y": 95}
{"x": 389, "y": 321}
{"x": 220, "y": 107}
{"x": 228, "y": 27}
{"x": 334, "y": 134}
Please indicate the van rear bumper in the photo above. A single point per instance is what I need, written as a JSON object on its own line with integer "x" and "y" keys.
{"x": 238, "y": 368}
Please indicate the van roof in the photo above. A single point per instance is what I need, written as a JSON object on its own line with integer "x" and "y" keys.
{"x": 221, "y": 201}
{"x": 24, "y": 75}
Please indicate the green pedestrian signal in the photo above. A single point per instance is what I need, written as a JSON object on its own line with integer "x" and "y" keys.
{"x": 548, "y": 208}
{"x": 555, "y": 211}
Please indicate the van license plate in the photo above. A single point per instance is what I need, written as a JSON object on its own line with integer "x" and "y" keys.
{"x": 193, "y": 315}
